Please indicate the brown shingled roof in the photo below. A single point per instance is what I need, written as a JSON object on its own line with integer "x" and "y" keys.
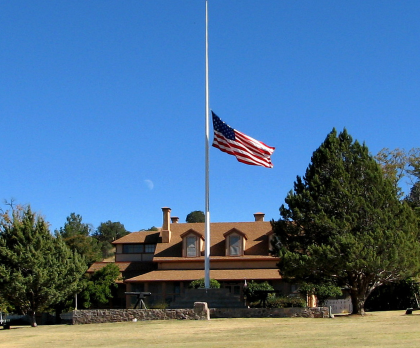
{"x": 123, "y": 266}
{"x": 219, "y": 274}
{"x": 256, "y": 233}
{"x": 217, "y": 258}
{"x": 151, "y": 237}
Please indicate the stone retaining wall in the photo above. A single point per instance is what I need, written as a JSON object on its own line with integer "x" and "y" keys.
{"x": 315, "y": 312}
{"x": 200, "y": 312}
{"x": 117, "y": 315}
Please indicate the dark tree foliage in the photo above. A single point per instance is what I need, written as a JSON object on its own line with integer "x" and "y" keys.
{"x": 99, "y": 286}
{"x": 106, "y": 233}
{"x": 195, "y": 216}
{"x": 5, "y": 306}
{"x": 413, "y": 198}
{"x": 76, "y": 235}
{"x": 395, "y": 296}
{"x": 344, "y": 225}
{"x": 153, "y": 228}
{"x": 37, "y": 270}
{"x": 253, "y": 289}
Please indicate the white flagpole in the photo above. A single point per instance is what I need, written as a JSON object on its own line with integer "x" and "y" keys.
{"x": 207, "y": 203}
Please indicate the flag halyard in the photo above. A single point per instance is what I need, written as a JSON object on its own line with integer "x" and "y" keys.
{"x": 246, "y": 149}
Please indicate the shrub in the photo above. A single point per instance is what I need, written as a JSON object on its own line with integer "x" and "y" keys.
{"x": 199, "y": 284}
{"x": 284, "y": 302}
{"x": 253, "y": 292}
{"x": 159, "y": 305}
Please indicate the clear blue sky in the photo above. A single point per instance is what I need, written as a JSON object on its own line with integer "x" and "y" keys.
{"x": 102, "y": 101}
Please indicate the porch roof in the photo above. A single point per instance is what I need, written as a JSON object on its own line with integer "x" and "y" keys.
{"x": 218, "y": 274}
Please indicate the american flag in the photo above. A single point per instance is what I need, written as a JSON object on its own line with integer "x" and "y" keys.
{"x": 246, "y": 149}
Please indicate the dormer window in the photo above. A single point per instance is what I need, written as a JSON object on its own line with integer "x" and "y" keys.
{"x": 234, "y": 245}
{"x": 192, "y": 246}
{"x": 192, "y": 243}
{"x": 235, "y": 242}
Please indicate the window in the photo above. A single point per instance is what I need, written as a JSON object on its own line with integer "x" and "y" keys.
{"x": 139, "y": 248}
{"x": 150, "y": 248}
{"x": 133, "y": 248}
{"x": 234, "y": 245}
{"x": 191, "y": 246}
{"x": 235, "y": 242}
{"x": 192, "y": 243}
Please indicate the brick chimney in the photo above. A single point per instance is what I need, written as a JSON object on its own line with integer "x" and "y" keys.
{"x": 174, "y": 219}
{"x": 166, "y": 226}
{"x": 259, "y": 216}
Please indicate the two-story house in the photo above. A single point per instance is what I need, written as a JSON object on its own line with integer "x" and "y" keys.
{"x": 164, "y": 262}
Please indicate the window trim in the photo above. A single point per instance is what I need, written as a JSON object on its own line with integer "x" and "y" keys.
{"x": 187, "y": 245}
{"x": 198, "y": 243}
{"x": 242, "y": 240}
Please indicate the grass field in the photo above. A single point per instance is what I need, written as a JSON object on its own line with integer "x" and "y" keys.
{"x": 377, "y": 329}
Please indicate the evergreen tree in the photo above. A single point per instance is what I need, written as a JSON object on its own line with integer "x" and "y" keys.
{"x": 108, "y": 232}
{"x": 413, "y": 198}
{"x": 76, "y": 235}
{"x": 344, "y": 224}
{"x": 36, "y": 270}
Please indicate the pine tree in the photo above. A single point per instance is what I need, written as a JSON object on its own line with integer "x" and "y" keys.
{"x": 106, "y": 233}
{"x": 37, "y": 270}
{"x": 76, "y": 235}
{"x": 344, "y": 224}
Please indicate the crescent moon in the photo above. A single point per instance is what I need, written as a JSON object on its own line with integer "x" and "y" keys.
{"x": 149, "y": 184}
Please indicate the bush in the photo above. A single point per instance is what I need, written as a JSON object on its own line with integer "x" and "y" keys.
{"x": 285, "y": 302}
{"x": 199, "y": 284}
{"x": 251, "y": 290}
{"x": 254, "y": 293}
{"x": 159, "y": 305}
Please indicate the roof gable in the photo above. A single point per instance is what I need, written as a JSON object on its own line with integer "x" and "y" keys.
{"x": 234, "y": 230}
{"x": 149, "y": 237}
{"x": 191, "y": 231}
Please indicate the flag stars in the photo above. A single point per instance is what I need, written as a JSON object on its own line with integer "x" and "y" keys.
{"x": 227, "y": 131}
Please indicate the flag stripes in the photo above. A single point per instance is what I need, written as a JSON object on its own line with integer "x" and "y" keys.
{"x": 246, "y": 149}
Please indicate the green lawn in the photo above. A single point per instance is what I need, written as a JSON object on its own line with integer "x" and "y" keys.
{"x": 377, "y": 329}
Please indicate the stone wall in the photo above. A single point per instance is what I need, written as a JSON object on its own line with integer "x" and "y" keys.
{"x": 200, "y": 312}
{"x": 315, "y": 312}
{"x": 119, "y": 315}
